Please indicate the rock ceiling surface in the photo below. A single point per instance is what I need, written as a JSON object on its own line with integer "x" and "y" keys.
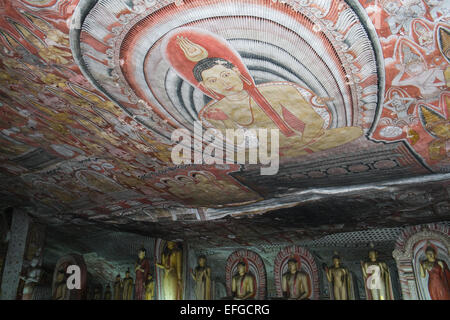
{"x": 91, "y": 92}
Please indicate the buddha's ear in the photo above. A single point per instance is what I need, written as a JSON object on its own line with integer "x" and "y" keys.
{"x": 236, "y": 69}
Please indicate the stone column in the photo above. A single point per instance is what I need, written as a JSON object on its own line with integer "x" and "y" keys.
{"x": 14, "y": 256}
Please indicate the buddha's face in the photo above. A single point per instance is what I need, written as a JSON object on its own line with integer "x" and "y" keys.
{"x": 336, "y": 262}
{"x": 201, "y": 262}
{"x": 170, "y": 245}
{"x": 431, "y": 256}
{"x": 292, "y": 267}
{"x": 149, "y": 277}
{"x": 60, "y": 277}
{"x": 222, "y": 80}
{"x": 141, "y": 254}
{"x": 373, "y": 255}
{"x": 241, "y": 269}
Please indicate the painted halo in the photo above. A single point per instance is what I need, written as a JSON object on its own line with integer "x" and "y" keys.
{"x": 119, "y": 46}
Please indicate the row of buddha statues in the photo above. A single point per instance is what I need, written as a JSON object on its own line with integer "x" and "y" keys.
{"x": 296, "y": 284}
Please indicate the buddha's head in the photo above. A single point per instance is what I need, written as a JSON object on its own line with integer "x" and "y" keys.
{"x": 336, "y": 260}
{"x": 219, "y": 75}
{"x": 241, "y": 268}
{"x": 373, "y": 255}
{"x": 292, "y": 265}
{"x": 171, "y": 245}
{"x": 202, "y": 261}
{"x": 149, "y": 277}
{"x": 142, "y": 253}
{"x": 118, "y": 277}
{"x": 430, "y": 253}
{"x": 127, "y": 274}
{"x": 60, "y": 276}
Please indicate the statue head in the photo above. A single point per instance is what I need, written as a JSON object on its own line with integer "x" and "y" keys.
{"x": 241, "y": 267}
{"x": 218, "y": 75}
{"x": 430, "y": 253}
{"x": 118, "y": 277}
{"x": 373, "y": 255}
{"x": 336, "y": 260}
{"x": 171, "y": 245}
{"x": 202, "y": 261}
{"x": 292, "y": 265}
{"x": 149, "y": 276}
{"x": 61, "y": 275}
{"x": 127, "y": 273}
{"x": 142, "y": 253}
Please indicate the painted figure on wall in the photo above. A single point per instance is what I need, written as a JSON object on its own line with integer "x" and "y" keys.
{"x": 340, "y": 280}
{"x": 127, "y": 286}
{"x": 202, "y": 277}
{"x": 209, "y": 63}
{"x": 295, "y": 283}
{"x": 438, "y": 274}
{"x": 377, "y": 278}
{"x": 243, "y": 283}
{"x": 171, "y": 263}
{"x": 142, "y": 268}
{"x": 149, "y": 288}
{"x": 118, "y": 288}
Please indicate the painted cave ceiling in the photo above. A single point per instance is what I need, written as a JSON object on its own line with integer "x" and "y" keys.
{"x": 91, "y": 92}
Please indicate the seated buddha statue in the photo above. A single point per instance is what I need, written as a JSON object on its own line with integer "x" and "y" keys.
{"x": 294, "y": 282}
{"x": 243, "y": 283}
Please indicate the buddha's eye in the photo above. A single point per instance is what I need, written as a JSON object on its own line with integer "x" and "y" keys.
{"x": 213, "y": 80}
{"x": 226, "y": 74}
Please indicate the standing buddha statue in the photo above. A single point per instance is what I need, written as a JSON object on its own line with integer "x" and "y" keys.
{"x": 377, "y": 279}
{"x": 438, "y": 275}
{"x": 142, "y": 268}
{"x": 340, "y": 280}
{"x": 202, "y": 277}
{"x": 128, "y": 286}
{"x": 171, "y": 263}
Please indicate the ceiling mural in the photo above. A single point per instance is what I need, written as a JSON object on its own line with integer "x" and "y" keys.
{"x": 91, "y": 92}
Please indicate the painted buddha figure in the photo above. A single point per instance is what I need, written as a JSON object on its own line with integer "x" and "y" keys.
{"x": 243, "y": 283}
{"x": 171, "y": 263}
{"x": 209, "y": 63}
{"x": 294, "y": 282}
{"x": 438, "y": 275}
